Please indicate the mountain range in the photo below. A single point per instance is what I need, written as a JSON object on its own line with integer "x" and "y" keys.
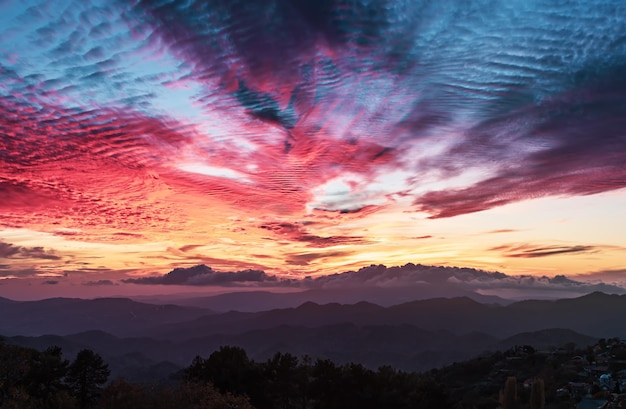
{"x": 144, "y": 341}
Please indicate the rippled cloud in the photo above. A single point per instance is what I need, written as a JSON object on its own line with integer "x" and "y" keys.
{"x": 126, "y": 121}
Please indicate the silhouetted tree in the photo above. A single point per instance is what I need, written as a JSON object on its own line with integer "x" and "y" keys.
{"x": 46, "y": 374}
{"x": 121, "y": 394}
{"x": 281, "y": 374}
{"x": 326, "y": 385}
{"x": 231, "y": 371}
{"x": 304, "y": 377}
{"x": 508, "y": 397}
{"x": 206, "y": 396}
{"x": 85, "y": 375}
{"x": 537, "y": 394}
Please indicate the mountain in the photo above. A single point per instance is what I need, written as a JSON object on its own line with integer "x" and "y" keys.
{"x": 404, "y": 347}
{"x": 599, "y": 315}
{"x": 596, "y": 314}
{"x": 458, "y": 315}
{"x": 134, "y": 359}
{"x": 144, "y": 341}
{"x": 256, "y": 301}
{"x": 119, "y": 316}
{"x": 547, "y": 339}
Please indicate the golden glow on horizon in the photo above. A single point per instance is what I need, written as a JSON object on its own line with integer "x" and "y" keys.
{"x": 227, "y": 240}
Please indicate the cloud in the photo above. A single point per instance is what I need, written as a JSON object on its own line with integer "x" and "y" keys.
{"x": 378, "y": 275}
{"x": 10, "y": 251}
{"x": 11, "y": 272}
{"x": 99, "y": 283}
{"x": 501, "y": 231}
{"x": 616, "y": 276}
{"x": 421, "y": 277}
{"x": 202, "y": 275}
{"x": 303, "y": 259}
{"x": 297, "y": 232}
{"x": 530, "y": 251}
{"x": 466, "y": 279}
{"x": 50, "y": 282}
{"x": 189, "y": 247}
{"x": 570, "y": 144}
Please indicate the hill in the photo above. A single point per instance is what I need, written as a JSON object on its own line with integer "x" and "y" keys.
{"x": 119, "y": 316}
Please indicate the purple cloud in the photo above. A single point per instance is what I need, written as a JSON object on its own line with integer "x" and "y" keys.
{"x": 202, "y": 275}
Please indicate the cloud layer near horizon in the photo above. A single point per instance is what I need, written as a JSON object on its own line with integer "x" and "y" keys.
{"x": 409, "y": 275}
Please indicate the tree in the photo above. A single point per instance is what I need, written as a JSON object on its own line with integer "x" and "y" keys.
{"x": 121, "y": 394}
{"x": 85, "y": 375}
{"x": 508, "y": 397}
{"x": 281, "y": 376}
{"x": 206, "y": 396}
{"x": 48, "y": 368}
{"x": 537, "y": 394}
{"x": 231, "y": 371}
{"x": 326, "y": 385}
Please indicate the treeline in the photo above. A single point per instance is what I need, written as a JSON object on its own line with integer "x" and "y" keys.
{"x": 31, "y": 379}
{"x": 228, "y": 378}
{"x": 34, "y": 379}
{"x": 286, "y": 381}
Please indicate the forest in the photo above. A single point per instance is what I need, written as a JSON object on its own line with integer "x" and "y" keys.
{"x": 228, "y": 378}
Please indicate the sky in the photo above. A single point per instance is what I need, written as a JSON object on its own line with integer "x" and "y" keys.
{"x": 286, "y": 139}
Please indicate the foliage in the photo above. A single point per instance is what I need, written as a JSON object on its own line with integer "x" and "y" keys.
{"x": 120, "y": 394}
{"x": 285, "y": 381}
{"x": 33, "y": 379}
{"x": 228, "y": 378}
{"x": 508, "y": 397}
{"x": 85, "y": 375}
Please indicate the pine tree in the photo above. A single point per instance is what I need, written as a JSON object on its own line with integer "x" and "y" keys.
{"x": 85, "y": 375}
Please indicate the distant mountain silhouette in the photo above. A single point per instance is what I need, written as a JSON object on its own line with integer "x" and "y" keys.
{"x": 459, "y": 315}
{"x": 134, "y": 359}
{"x": 414, "y": 336}
{"x": 255, "y": 301}
{"x": 599, "y": 315}
{"x": 596, "y": 314}
{"x": 404, "y": 347}
{"x": 120, "y": 316}
{"x": 546, "y": 339}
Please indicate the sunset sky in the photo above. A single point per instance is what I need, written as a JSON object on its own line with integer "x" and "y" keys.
{"x": 309, "y": 137}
